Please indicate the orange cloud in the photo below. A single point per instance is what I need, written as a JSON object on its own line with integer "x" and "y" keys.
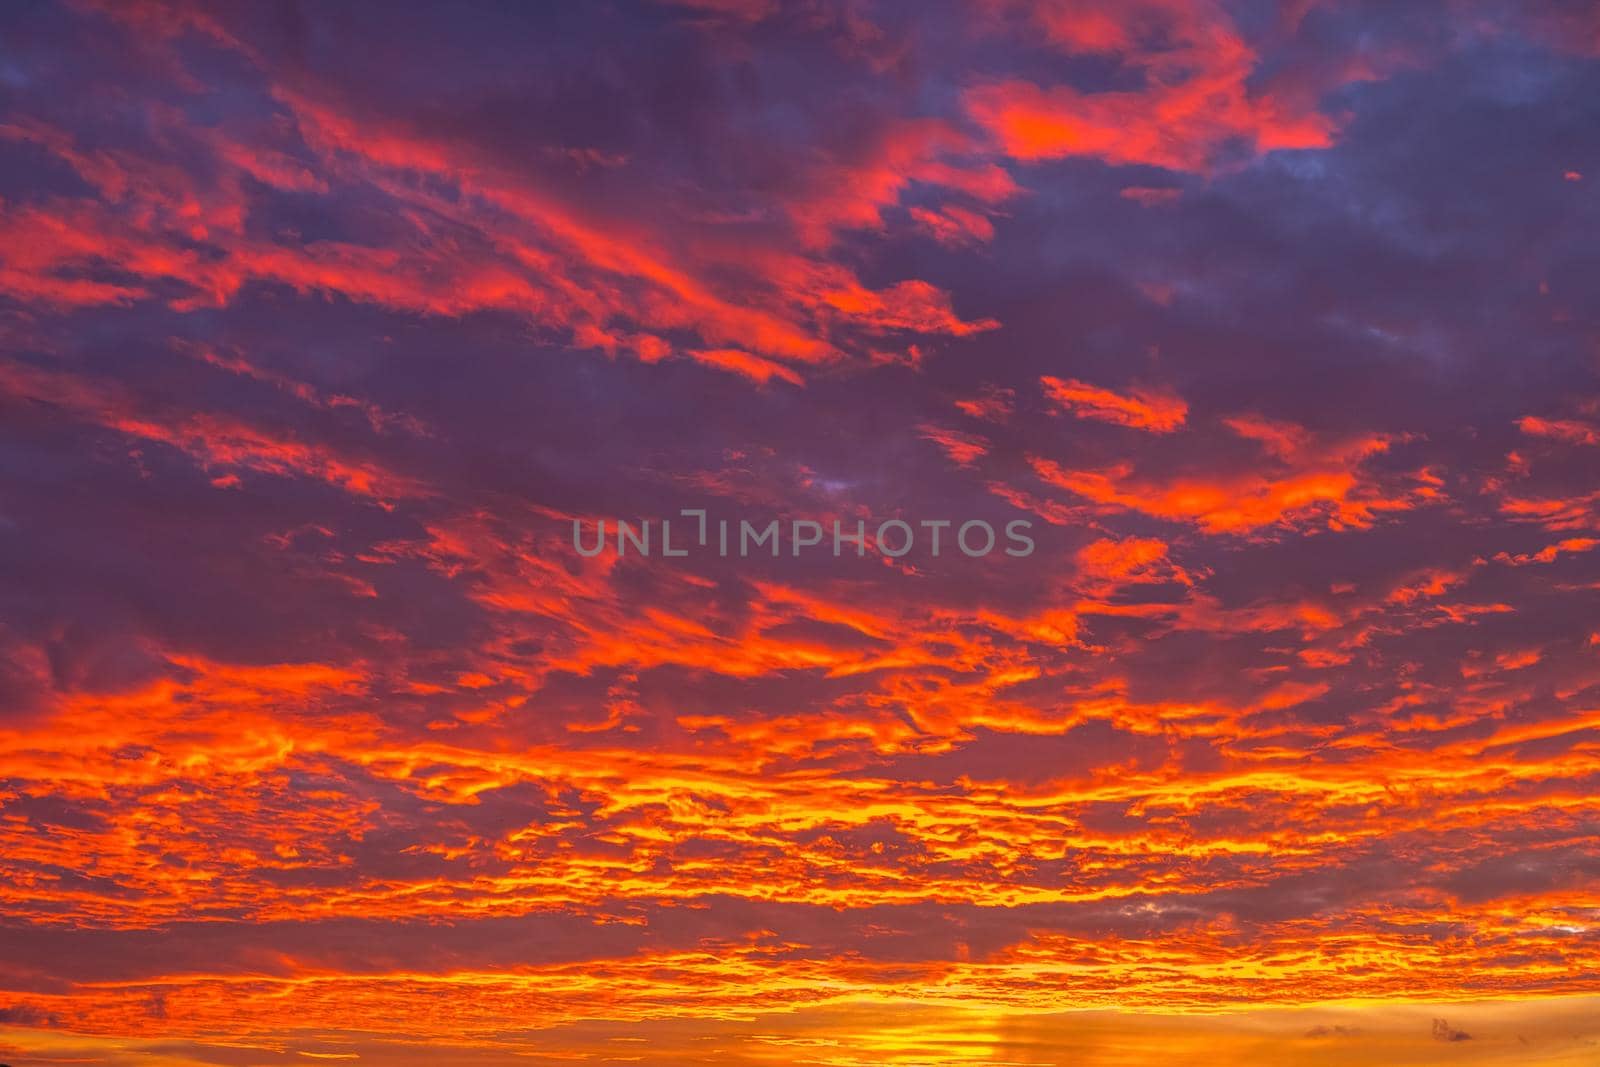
{"x": 1571, "y": 431}
{"x": 1132, "y": 560}
{"x": 1197, "y": 100}
{"x": 211, "y": 439}
{"x": 993, "y": 404}
{"x": 954, "y": 225}
{"x": 744, "y": 364}
{"x": 1306, "y": 483}
{"x": 1142, "y": 409}
{"x": 962, "y": 448}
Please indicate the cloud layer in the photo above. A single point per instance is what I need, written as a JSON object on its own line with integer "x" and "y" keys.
{"x": 322, "y": 325}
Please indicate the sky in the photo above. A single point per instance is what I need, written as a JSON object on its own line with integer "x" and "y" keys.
{"x": 323, "y": 328}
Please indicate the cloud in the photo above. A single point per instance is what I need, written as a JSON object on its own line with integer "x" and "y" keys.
{"x": 324, "y": 326}
{"x": 1197, "y": 99}
{"x": 1142, "y": 409}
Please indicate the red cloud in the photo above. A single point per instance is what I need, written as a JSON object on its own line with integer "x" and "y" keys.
{"x": 1304, "y": 482}
{"x": 1571, "y": 431}
{"x": 1143, "y": 409}
{"x": 1197, "y": 98}
{"x": 962, "y": 448}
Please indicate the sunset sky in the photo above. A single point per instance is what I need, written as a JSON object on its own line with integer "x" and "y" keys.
{"x": 322, "y": 323}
